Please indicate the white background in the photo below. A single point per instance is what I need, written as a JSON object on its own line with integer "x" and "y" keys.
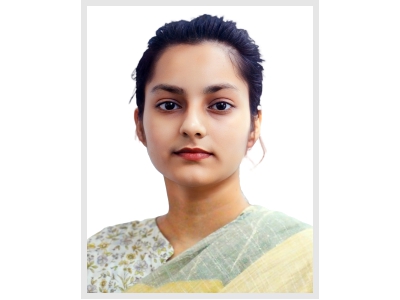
{"x": 40, "y": 170}
{"x": 123, "y": 185}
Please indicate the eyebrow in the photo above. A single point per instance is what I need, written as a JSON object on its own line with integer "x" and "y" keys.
{"x": 180, "y": 91}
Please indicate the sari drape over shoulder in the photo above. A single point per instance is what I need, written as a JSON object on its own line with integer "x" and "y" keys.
{"x": 261, "y": 251}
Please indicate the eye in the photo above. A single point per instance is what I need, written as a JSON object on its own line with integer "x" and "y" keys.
{"x": 168, "y": 105}
{"x": 221, "y": 106}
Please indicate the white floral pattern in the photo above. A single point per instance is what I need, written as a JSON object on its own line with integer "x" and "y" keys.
{"x": 119, "y": 256}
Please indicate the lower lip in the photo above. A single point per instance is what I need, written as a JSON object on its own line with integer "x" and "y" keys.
{"x": 193, "y": 156}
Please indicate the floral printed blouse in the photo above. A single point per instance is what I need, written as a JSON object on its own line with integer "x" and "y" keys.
{"x": 119, "y": 256}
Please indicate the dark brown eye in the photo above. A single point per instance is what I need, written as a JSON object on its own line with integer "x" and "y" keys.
{"x": 168, "y": 105}
{"x": 221, "y": 106}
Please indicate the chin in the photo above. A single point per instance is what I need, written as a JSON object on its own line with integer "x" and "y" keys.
{"x": 195, "y": 177}
{"x": 190, "y": 179}
{"x": 197, "y": 180}
{"x": 193, "y": 182}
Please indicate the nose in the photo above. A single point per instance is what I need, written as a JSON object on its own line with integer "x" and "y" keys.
{"x": 193, "y": 124}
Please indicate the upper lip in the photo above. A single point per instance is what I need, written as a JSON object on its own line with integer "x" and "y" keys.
{"x": 192, "y": 150}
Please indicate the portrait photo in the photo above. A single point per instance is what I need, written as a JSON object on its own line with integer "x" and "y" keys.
{"x": 143, "y": 160}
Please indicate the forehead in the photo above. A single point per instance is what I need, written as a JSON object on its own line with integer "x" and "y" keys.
{"x": 196, "y": 66}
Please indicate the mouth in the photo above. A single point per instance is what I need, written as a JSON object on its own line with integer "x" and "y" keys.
{"x": 193, "y": 154}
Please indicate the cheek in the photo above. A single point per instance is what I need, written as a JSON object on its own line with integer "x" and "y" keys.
{"x": 156, "y": 145}
{"x": 158, "y": 138}
{"x": 151, "y": 128}
{"x": 154, "y": 136}
{"x": 233, "y": 136}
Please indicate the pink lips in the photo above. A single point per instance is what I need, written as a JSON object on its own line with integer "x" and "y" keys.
{"x": 193, "y": 153}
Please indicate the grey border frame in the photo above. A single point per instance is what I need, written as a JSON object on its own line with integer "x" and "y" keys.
{"x": 315, "y": 5}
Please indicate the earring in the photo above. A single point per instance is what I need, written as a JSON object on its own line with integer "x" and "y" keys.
{"x": 259, "y": 107}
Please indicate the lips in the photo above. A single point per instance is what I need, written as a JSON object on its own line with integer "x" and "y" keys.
{"x": 193, "y": 154}
{"x": 192, "y": 150}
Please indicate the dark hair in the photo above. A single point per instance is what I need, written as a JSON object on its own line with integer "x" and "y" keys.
{"x": 243, "y": 52}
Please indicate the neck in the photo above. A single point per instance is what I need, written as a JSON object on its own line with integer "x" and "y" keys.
{"x": 196, "y": 212}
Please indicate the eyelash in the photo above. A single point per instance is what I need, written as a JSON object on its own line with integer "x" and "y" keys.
{"x": 166, "y": 102}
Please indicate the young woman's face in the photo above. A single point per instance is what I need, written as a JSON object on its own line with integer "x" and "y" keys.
{"x": 196, "y": 99}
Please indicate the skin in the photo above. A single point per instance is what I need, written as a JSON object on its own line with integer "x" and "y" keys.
{"x": 203, "y": 195}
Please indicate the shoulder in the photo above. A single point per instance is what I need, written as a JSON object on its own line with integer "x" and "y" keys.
{"x": 268, "y": 230}
{"x": 270, "y": 222}
{"x": 113, "y": 233}
{"x": 281, "y": 250}
{"x": 119, "y": 255}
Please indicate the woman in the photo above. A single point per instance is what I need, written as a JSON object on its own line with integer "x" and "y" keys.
{"x": 198, "y": 89}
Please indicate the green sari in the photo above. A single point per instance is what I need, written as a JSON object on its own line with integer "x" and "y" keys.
{"x": 261, "y": 251}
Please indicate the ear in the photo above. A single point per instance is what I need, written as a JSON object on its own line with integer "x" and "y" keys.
{"x": 139, "y": 128}
{"x": 255, "y": 133}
